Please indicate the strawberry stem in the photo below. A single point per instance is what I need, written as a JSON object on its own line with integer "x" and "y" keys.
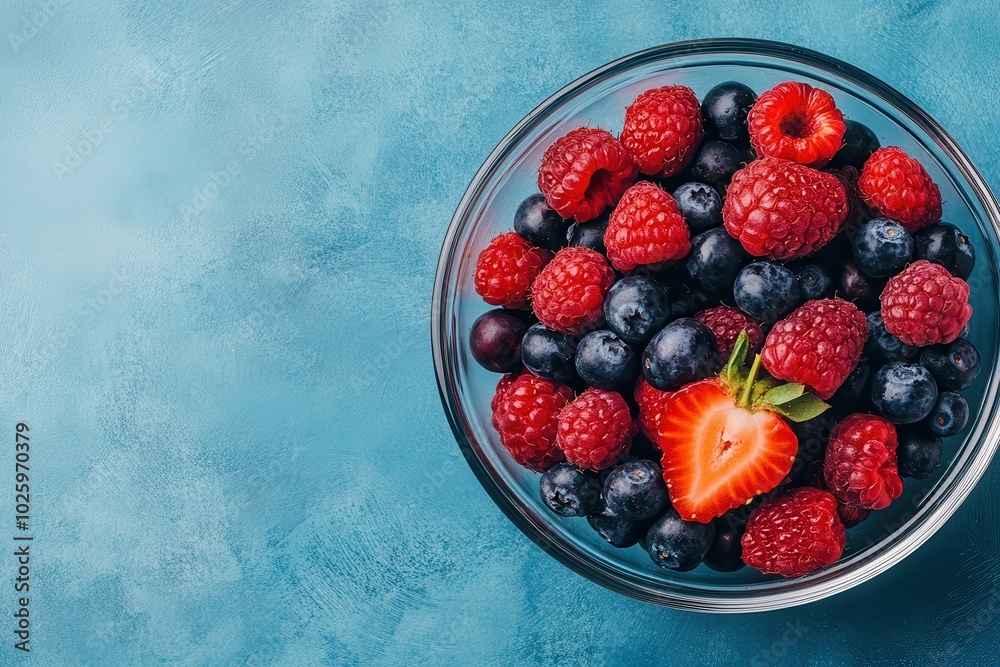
{"x": 745, "y": 398}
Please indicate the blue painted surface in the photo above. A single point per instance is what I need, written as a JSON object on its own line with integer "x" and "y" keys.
{"x": 220, "y": 223}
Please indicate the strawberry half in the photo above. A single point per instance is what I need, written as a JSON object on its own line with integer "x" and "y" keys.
{"x": 724, "y": 440}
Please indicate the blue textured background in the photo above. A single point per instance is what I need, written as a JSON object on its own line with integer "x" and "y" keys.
{"x": 219, "y": 223}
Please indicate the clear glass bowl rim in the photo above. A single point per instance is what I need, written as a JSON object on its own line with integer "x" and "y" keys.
{"x": 952, "y": 490}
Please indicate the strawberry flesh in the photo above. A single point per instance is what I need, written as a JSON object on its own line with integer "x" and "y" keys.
{"x": 718, "y": 455}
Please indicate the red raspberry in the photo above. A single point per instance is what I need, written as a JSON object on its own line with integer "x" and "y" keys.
{"x": 925, "y": 304}
{"x": 662, "y": 129}
{"x": 819, "y": 345}
{"x": 645, "y": 228}
{"x": 782, "y": 209}
{"x": 595, "y": 428}
{"x": 506, "y": 268}
{"x": 860, "y": 464}
{"x": 584, "y": 172}
{"x": 794, "y": 121}
{"x": 526, "y": 417}
{"x": 851, "y": 516}
{"x": 502, "y": 386}
{"x": 652, "y": 404}
{"x": 897, "y": 185}
{"x": 794, "y": 534}
{"x": 568, "y": 294}
{"x": 727, "y": 323}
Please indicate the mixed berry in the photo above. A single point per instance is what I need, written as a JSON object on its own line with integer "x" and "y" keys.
{"x": 729, "y": 332}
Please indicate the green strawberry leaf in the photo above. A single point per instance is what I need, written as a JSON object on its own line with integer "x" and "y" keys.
{"x": 761, "y": 387}
{"x": 784, "y": 393}
{"x": 801, "y": 409}
{"x": 732, "y": 374}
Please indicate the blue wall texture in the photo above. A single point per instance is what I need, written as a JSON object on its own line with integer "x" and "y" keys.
{"x": 219, "y": 223}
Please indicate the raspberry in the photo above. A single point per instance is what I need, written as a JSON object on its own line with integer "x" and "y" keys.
{"x": 794, "y": 534}
{"x": 782, "y": 209}
{"x": 595, "y": 428}
{"x": 727, "y": 323}
{"x": 584, "y": 172}
{"x": 925, "y": 305}
{"x": 662, "y": 129}
{"x": 652, "y": 403}
{"x": 819, "y": 345}
{"x": 502, "y": 386}
{"x": 645, "y": 228}
{"x": 897, "y": 185}
{"x": 794, "y": 121}
{"x": 506, "y": 268}
{"x": 526, "y": 417}
{"x": 851, "y": 515}
{"x": 860, "y": 464}
{"x": 568, "y": 294}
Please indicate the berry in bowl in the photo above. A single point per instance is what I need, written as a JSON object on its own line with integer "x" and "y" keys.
{"x": 713, "y": 326}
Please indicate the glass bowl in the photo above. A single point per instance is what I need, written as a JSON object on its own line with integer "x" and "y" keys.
{"x": 599, "y": 99}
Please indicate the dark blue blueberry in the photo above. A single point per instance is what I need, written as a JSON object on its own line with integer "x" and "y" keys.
{"x": 539, "y": 224}
{"x": 813, "y": 436}
{"x": 676, "y": 544}
{"x": 714, "y": 260}
{"x": 636, "y": 307}
{"x": 945, "y": 244}
{"x": 495, "y": 340}
{"x": 858, "y": 145}
{"x": 570, "y": 491}
{"x": 853, "y": 285}
{"x": 683, "y": 351}
{"x": 701, "y": 206}
{"x": 605, "y": 361}
{"x": 853, "y": 395}
{"x": 549, "y": 354}
{"x": 716, "y": 162}
{"x": 918, "y": 453}
{"x": 814, "y": 282}
{"x": 684, "y": 301}
{"x": 726, "y": 552}
{"x": 766, "y": 291}
{"x": 882, "y": 247}
{"x": 616, "y": 531}
{"x": 954, "y": 365}
{"x": 589, "y": 234}
{"x": 724, "y": 111}
{"x": 949, "y": 416}
{"x": 636, "y": 490}
{"x": 883, "y": 345}
{"x": 904, "y": 393}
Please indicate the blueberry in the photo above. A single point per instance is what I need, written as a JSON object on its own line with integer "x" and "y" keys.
{"x": 570, "y": 491}
{"x": 724, "y": 110}
{"x": 853, "y": 395}
{"x": 549, "y": 354}
{"x": 954, "y": 365}
{"x": 589, "y": 234}
{"x": 684, "y": 301}
{"x": 683, "y": 351}
{"x": 716, "y": 162}
{"x": 676, "y": 544}
{"x": 814, "y": 282}
{"x": 766, "y": 291}
{"x": 949, "y": 416}
{"x": 858, "y": 145}
{"x": 946, "y": 245}
{"x": 616, "y": 531}
{"x": 539, "y": 224}
{"x": 918, "y": 453}
{"x": 714, "y": 260}
{"x": 884, "y": 345}
{"x": 882, "y": 247}
{"x": 635, "y": 490}
{"x": 636, "y": 307}
{"x": 701, "y": 206}
{"x": 904, "y": 393}
{"x": 605, "y": 361}
{"x": 853, "y": 285}
{"x": 725, "y": 553}
{"x": 495, "y": 340}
